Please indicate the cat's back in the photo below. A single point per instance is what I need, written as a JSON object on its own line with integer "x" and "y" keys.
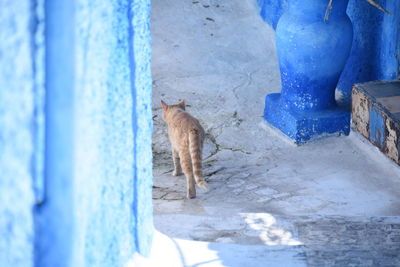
{"x": 183, "y": 122}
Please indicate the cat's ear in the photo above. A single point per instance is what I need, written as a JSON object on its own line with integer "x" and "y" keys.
{"x": 182, "y": 103}
{"x": 164, "y": 105}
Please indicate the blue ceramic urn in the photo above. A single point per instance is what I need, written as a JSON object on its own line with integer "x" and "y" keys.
{"x": 312, "y": 53}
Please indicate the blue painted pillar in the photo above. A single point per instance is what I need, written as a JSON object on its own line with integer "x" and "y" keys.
{"x": 375, "y": 54}
{"x": 312, "y": 53}
{"x": 97, "y": 208}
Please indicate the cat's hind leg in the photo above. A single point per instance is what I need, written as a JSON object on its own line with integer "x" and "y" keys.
{"x": 177, "y": 165}
{"x": 186, "y": 164}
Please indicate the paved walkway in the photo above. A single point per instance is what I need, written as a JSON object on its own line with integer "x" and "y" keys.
{"x": 333, "y": 202}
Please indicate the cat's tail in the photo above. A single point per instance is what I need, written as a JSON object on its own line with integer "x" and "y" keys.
{"x": 195, "y": 146}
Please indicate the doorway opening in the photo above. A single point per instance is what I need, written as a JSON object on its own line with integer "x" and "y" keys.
{"x": 264, "y": 192}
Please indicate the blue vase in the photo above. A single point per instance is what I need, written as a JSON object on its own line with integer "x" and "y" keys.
{"x": 312, "y": 54}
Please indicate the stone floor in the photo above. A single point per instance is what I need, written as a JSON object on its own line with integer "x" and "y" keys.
{"x": 332, "y": 202}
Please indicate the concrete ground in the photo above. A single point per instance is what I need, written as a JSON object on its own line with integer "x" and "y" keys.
{"x": 331, "y": 202}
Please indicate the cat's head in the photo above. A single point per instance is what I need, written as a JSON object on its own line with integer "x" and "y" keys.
{"x": 167, "y": 109}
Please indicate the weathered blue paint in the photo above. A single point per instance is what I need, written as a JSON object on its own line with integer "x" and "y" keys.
{"x": 312, "y": 54}
{"x": 377, "y": 99}
{"x": 376, "y": 42}
{"x": 91, "y": 204}
{"x": 376, "y": 127}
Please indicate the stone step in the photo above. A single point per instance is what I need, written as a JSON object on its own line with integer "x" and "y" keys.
{"x": 376, "y": 115}
{"x": 267, "y": 229}
{"x": 244, "y": 228}
{"x": 324, "y": 240}
{"x": 175, "y": 252}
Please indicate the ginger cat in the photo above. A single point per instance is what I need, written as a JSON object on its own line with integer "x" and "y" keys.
{"x": 186, "y": 136}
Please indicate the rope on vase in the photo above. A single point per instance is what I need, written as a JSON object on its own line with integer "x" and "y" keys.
{"x": 329, "y": 8}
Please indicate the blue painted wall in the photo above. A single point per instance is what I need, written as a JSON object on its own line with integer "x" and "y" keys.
{"x": 75, "y": 162}
{"x": 376, "y": 45}
{"x": 375, "y": 52}
{"x": 272, "y": 10}
{"x": 17, "y": 97}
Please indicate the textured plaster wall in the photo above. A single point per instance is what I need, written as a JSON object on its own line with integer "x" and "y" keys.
{"x": 17, "y": 98}
{"x": 75, "y": 174}
{"x": 375, "y": 52}
{"x": 112, "y": 131}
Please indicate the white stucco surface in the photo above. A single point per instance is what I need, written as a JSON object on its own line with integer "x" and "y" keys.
{"x": 220, "y": 57}
{"x": 174, "y": 252}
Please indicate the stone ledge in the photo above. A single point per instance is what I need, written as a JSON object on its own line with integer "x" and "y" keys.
{"x": 376, "y": 115}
